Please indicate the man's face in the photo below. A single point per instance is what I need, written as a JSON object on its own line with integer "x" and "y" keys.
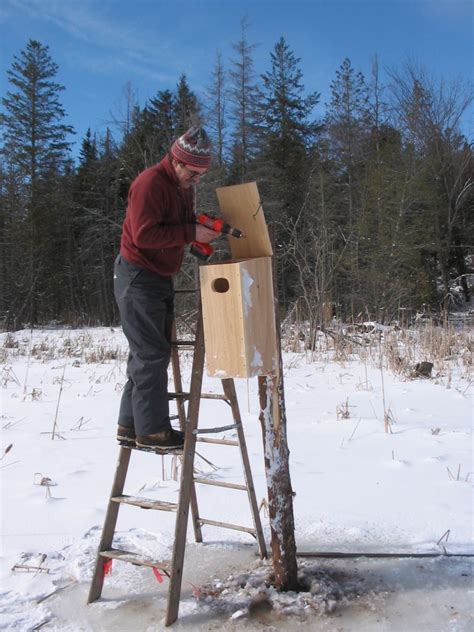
{"x": 187, "y": 175}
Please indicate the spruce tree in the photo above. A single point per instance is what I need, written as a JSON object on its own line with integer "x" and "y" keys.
{"x": 285, "y": 113}
{"x": 187, "y": 110}
{"x": 35, "y": 135}
{"x": 161, "y": 111}
{"x": 216, "y": 112}
{"x": 243, "y": 97}
{"x": 346, "y": 125}
{"x": 429, "y": 112}
{"x": 35, "y": 149}
{"x": 95, "y": 229}
{"x": 286, "y": 133}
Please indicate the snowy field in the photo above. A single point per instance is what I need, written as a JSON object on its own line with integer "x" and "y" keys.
{"x": 380, "y": 461}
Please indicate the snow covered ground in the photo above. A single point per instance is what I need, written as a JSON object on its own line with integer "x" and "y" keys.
{"x": 358, "y": 488}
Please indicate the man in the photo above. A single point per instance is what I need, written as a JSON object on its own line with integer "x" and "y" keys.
{"x": 159, "y": 223}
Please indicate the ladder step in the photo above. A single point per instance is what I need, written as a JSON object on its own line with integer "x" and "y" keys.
{"x": 183, "y": 343}
{"x": 145, "y": 503}
{"x": 156, "y": 450}
{"x": 209, "y": 481}
{"x": 219, "y": 441}
{"x": 178, "y": 395}
{"x": 134, "y": 558}
{"x": 210, "y": 430}
{"x": 226, "y": 525}
{"x": 202, "y": 396}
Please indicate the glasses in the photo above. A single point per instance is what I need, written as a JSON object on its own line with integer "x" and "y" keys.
{"x": 193, "y": 174}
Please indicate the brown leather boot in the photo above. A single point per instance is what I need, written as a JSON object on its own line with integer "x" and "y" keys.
{"x": 126, "y": 435}
{"x": 169, "y": 439}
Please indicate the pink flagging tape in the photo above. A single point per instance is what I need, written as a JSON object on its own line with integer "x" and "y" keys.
{"x": 108, "y": 567}
{"x": 158, "y": 575}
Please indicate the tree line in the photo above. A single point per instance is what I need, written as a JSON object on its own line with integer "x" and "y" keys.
{"x": 370, "y": 204}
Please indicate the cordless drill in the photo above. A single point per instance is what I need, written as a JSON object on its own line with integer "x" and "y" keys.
{"x": 204, "y": 251}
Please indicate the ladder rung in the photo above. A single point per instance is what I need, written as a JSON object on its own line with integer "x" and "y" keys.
{"x": 183, "y": 343}
{"x": 145, "y": 503}
{"x": 209, "y": 481}
{"x": 178, "y": 395}
{"x": 220, "y": 441}
{"x": 210, "y": 430}
{"x": 133, "y": 558}
{"x": 155, "y": 450}
{"x": 202, "y": 396}
{"x": 226, "y": 525}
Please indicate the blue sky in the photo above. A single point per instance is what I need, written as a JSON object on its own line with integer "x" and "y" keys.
{"x": 100, "y": 45}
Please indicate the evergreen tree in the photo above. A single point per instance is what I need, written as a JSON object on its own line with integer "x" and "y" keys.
{"x": 161, "y": 111}
{"x": 35, "y": 148}
{"x": 35, "y": 136}
{"x": 429, "y": 114}
{"x": 152, "y": 129}
{"x": 346, "y": 126}
{"x": 98, "y": 216}
{"x": 285, "y": 113}
{"x": 134, "y": 153}
{"x": 384, "y": 256}
{"x": 85, "y": 178}
{"x": 216, "y": 111}
{"x": 187, "y": 110}
{"x": 286, "y": 133}
{"x": 86, "y": 202}
{"x": 243, "y": 98}
{"x": 215, "y": 124}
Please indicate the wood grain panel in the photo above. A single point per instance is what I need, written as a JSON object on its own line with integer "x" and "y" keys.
{"x": 241, "y": 207}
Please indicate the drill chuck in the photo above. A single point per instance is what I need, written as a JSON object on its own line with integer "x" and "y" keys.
{"x": 221, "y": 227}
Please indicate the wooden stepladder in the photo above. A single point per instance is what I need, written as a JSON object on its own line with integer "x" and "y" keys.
{"x": 187, "y": 494}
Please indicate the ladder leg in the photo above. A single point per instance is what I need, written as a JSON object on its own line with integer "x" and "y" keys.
{"x": 109, "y": 524}
{"x": 186, "y": 486}
{"x": 229, "y": 390}
{"x": 195, "y": 513}
{"x": 178, "y": 387}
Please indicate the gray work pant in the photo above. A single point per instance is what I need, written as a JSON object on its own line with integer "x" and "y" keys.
{"x": 146, "y": 302}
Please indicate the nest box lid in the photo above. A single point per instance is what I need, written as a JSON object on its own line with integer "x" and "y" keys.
{"x": 241, "y": 207}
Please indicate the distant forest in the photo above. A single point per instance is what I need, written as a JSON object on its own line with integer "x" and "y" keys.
{"x": 371, "y": 205}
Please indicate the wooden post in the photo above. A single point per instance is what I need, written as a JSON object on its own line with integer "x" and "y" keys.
{"x": 277, "y": 468}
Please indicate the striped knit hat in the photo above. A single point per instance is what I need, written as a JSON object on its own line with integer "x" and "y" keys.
{"x": 193, "y": 148}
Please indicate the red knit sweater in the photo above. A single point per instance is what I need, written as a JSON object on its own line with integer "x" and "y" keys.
{"x": 159, "y": 222}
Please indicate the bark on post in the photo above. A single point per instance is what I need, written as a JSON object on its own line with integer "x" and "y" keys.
{"x": 277, "y": 468}
{"x": 280, "y": 493}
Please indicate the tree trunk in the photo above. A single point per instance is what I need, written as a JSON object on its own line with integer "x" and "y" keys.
{"x": 280, "y": 494}
{"x": 277, "y": 468}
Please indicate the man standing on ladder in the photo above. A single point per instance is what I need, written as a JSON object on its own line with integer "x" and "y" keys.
{"x": 160, "y": 221}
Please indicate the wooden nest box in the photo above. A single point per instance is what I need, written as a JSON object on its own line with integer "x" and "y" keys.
{"x": 237, "y": 295}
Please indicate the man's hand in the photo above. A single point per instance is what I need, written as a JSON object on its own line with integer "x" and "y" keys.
{"x": 204, "y": 234}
